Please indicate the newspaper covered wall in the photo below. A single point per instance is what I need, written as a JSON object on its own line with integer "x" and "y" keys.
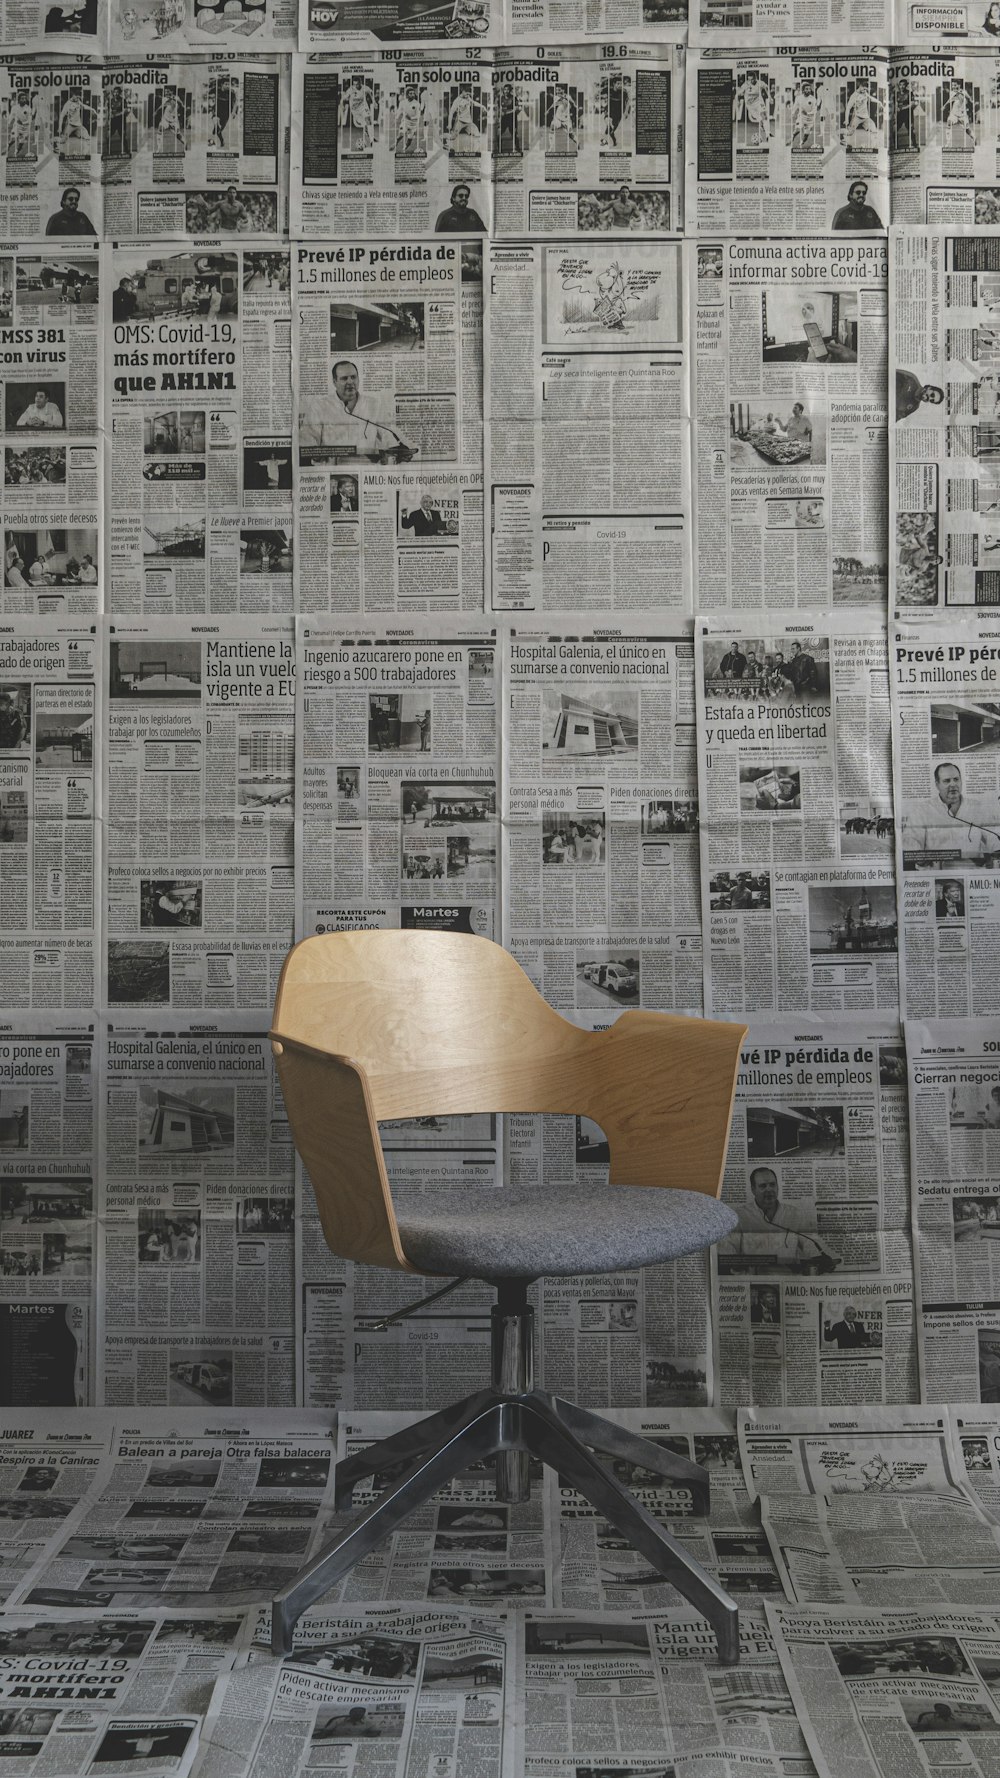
{"x": 879, "y": 1692}
{"x": 944, "y": 298}
{"x": 199, "y": 404}
{"x": 196, "y": 1217}
{"x": 794, "y": 138}
{"x": 798, "y": 887}
{"x": 48, "y": 1162}
{"x": 789, "y": 416}
{"x": 817, "y": 1170}
{"x": 200, "y": 780}
{"x": 387, "y": 355}
{"x": 588, "y": 456}
{"x": 947, "y": 796}
{"x": 954, "y": 1112}
{"x": 51, "y": 340}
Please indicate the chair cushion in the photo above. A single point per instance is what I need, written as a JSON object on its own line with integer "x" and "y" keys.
{"x": 559, "y": 1230}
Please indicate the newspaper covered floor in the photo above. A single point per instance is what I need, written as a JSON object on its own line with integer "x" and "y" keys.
{"x": 140, "y": 1552}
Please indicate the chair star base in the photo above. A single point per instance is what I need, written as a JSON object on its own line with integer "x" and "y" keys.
{"x": 496, "y": 1423}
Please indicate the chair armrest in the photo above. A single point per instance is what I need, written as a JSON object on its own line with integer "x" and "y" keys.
{"x": 332, "y": 1121}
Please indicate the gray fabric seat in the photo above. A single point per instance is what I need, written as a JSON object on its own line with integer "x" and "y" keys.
{"x": 558, "y": 1230}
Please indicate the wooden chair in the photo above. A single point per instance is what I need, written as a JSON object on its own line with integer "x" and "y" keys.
{"x": 371, "y": 1025}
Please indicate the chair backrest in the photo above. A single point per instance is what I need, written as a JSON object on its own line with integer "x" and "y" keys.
{"x": 372, "y": 1025}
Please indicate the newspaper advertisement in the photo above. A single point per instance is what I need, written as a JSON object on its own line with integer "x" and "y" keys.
{"x": 137, "y": 26}
{"x": 465, "y": 26}
{"x": 798, "y": 886}
{"x": 198, "y": 848}
{"x": 942, "y": 145}
{"x": 945, "y": 301}
{"x": 196, "y": 1218}
{"x": 48, "y": 1463}
{"x": 586, "y": 347}
{"x": 817, "y": 1171}
{"x": 199, "y": 412}
{"x": 954, "y": 1119}
{"x": 789, "y": 410}
{"x": 80, "y": 1691}
{"x": 870, "y": 1508}
{"x": 718, "y": 1526}
{"x": 574, "y": 142}
{"x": 50, "y": 386}
{"x": 798, "y": 137}
{"x": 194, "y": 146}
{"x": 667, "y": 1705}
{"x": 977, "y": 1434}
{"x": 947, "y": 799}
{"x": 188, "y": 1506}
{"x": 396, "y": 1689}
{"x": 958, "y": 22}
{"x": 49, "y": 797}
{"x": 387, "y": 370}
{"x": 882, "y": 1692}
{"x": 48, "y": 1115}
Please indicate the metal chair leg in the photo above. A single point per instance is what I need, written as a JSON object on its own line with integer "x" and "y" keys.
{"x": 551, "y": 1440}
{"x": 401, "y": 1448}
{"x": 477, "y": 1439}
{"x": 614, "y": 1441}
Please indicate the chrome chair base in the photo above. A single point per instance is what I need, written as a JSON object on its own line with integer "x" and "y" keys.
{"x": 513, "y": 1422}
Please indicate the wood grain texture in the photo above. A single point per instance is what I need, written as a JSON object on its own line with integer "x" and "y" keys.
{"x": 436, "y": 1022}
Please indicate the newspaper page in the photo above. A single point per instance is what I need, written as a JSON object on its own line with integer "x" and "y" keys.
{"x": 884, "y": 1692}
{"x": 590, "y": 139}
{"x": 198, "y": 847}
{"x": 945, "y": 300}
{"x": 80, "y": 1691}
{"x": 195, "y": 146}
{"x": 942, "y": 149}
{"x": 196, "y": 1217}
{"x": 798, "y": 887}
{"x": 600, "y": 1571}
{"x": 817, "y": 1171}
{"x": 460, "y": 27}
{"x": 49, "y": 137}
{"x": 395, "y": 1690}
{"x": 48, "y": 1461}
{"x": 586, "y": 347}
{"x": 954, "y": 1075}
{"x": 858, "y": 22}
{"x": 977, "y": 1435}
{"x": 601, "y": 911}
{"x": 461, "y": 1547}
{"x": 199, "y": 411}
{"x": 871, "y": 1507}
{"x": 49, "y": 805}
{"x": 387, "y": 368}
{"x": 202, "y": 1508}
{"x": 51, "y": 342}
{"x": 397, "y": 826}
{"x": 48, "y": 1134}
{"x": 947, "y": 800}
{"x": 383, "y": 136}
{"x": 789, "y": 411}
{"x": 69, "y": 27}
{"x": 791, "y": 137}
{"x": 663, "y": 1697}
